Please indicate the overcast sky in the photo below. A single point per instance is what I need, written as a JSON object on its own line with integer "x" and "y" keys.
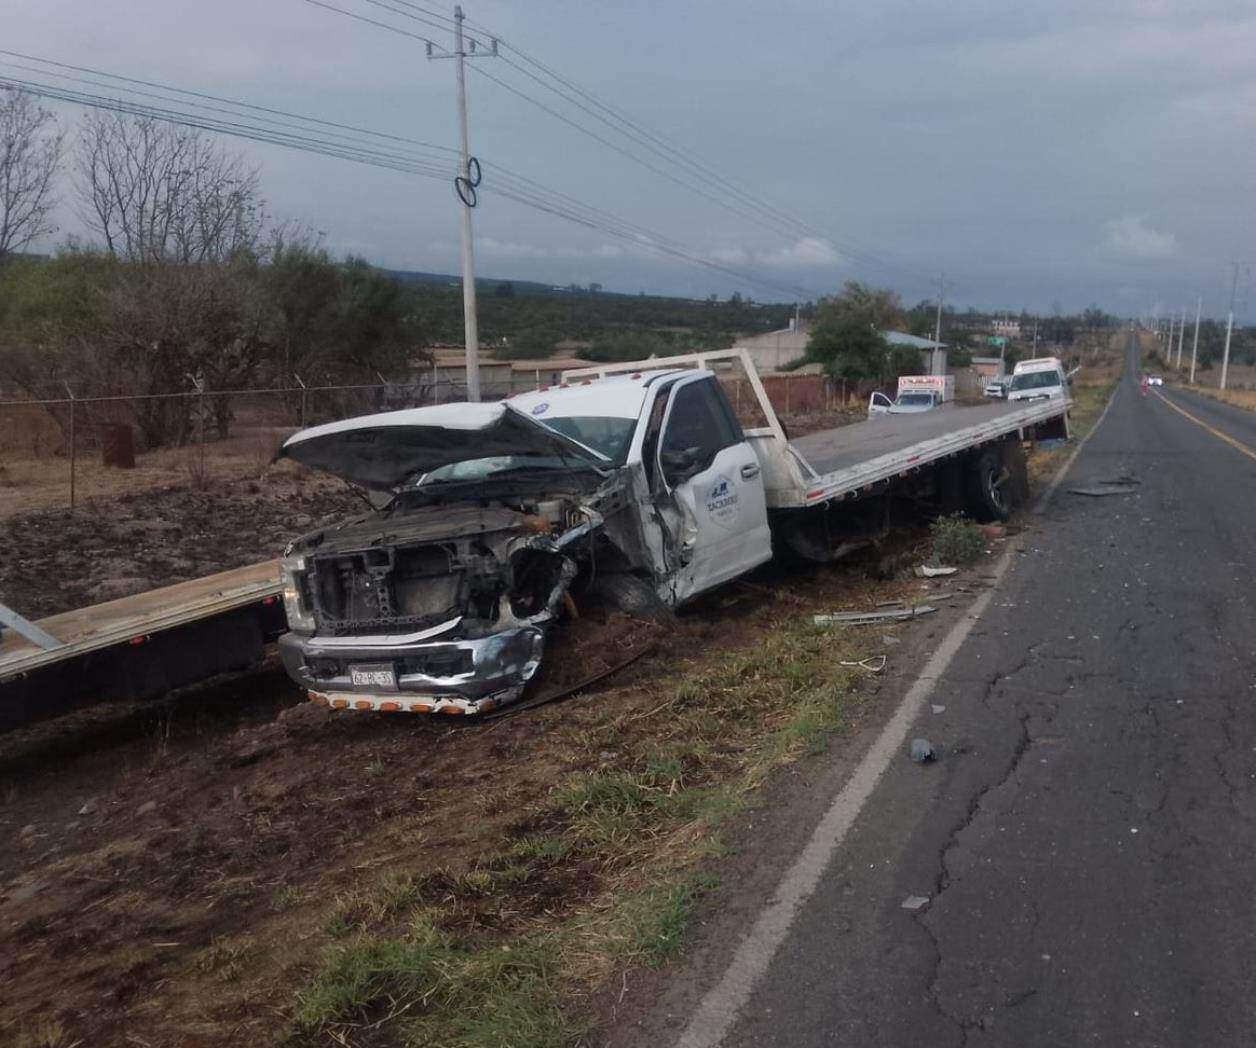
{"x": 1052, "y": 150}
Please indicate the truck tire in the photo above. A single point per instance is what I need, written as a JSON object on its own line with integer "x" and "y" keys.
{"x": 633, "y": 596}
{"x": 990, "y": 491}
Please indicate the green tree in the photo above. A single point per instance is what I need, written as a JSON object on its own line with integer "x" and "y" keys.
{"x": 846, "y": 337}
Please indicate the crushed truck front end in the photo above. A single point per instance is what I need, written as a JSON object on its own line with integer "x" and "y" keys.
{"x": 439, "y": 601}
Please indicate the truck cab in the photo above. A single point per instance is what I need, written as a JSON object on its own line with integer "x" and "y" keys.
{"x": 1038, "y": 379}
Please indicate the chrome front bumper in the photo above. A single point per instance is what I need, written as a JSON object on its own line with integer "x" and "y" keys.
{"x": 497, "y": 668}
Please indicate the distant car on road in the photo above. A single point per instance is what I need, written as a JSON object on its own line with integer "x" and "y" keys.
{"x": 996, "y": 388}
{"x": 1155, "y": 380}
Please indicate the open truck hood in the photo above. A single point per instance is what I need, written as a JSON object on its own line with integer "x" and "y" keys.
{"x": 381, "y": 452}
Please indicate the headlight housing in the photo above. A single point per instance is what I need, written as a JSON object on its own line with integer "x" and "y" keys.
{"x": 292, "y": 574}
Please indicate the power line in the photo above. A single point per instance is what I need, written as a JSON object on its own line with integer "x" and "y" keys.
{"x": 516, "y": 187}
{"x": 765, "y": 214}
{"x": 227, "y": 101}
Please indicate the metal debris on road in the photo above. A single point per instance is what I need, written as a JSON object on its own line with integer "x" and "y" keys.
{"x": 873, "y": 664}
{"x": 862, "y": 618}
{"x": 915, "y": 902}
{"x": 924, "y": 571}
{"x": 1105, "y": 489}
{"x": 922, "y": 751}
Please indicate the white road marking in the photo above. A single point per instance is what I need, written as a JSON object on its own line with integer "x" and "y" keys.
{"x": 722, "y": 1004}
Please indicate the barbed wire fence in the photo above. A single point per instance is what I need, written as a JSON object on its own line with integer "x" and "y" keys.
{"x": 68, "y": 427}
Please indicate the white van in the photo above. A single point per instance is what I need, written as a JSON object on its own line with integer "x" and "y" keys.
{"x": 1038, "y": 379}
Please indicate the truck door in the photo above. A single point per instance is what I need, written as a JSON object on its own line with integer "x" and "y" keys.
{"x": 710, "y": 493}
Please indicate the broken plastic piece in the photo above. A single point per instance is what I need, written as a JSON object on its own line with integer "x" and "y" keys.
{"x": 915, "y": 902}
{"x": 924, "y": 571}
{"x": 922, "y": 751}
{"x": 873, "y": 664}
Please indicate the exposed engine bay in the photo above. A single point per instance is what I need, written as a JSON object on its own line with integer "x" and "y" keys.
{"x": 438, "y": 604}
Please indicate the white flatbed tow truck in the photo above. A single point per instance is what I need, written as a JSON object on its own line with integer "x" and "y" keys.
{"x": 822, "y": 494}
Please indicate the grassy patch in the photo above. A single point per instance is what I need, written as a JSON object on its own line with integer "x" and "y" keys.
{"x": 956, "y": 540}
{"x": 603, "y": 873}
{"x": 436, "y": 991}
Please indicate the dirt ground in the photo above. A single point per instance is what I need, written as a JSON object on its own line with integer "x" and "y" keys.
{"x": 56, "y": 561}
{"x": 172, "y": 870}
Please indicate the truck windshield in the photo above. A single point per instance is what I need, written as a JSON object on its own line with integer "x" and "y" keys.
{"x": 609, "y": 435}
{"x": 915, "y": 400}
{"x": 495, "y": 466}
{"x": 1036, "y": 380}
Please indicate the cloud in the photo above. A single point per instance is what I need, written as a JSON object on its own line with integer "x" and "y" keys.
{"x": 1131, "y": 237}
{"x": 807, "y": 253}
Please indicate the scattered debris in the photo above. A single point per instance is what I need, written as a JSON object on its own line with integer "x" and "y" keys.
{"x": 1123, "y": 479}
{"x": 147, "y": 808}
{"x": 1105, "y": 489}
{"x": 938, "y": 709}
{"x": 889, "y": 640}
{"x": 890, "y": 603}
{"x": 89, "y": 808}
{"x": 873, "y": 664}
{"x": 915, "y": 902}
{"x": 924, "y": 571}
{"x": 861, "y": 618}
{"x": 922, "y": 751}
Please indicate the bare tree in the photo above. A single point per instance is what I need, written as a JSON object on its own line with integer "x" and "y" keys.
{"x": 30, "y": 153}
{"x": 156, "y": 192}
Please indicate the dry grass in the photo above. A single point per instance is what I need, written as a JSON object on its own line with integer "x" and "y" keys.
{"x": 1240, "y": 398}
{"x": 602, "y": 874}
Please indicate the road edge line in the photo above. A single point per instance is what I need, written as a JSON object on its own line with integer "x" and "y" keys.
{"x": 1234, "y": 442}
{"x": 721, "y": 1005}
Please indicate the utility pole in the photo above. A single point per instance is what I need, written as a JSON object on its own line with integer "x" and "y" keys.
{"x": 1229, "y": 324}
{"x": 1199, "y": 305}
{"x": 465, "y": 186}
{"x": 937, "y": 325}
{"x": 1181, "y": 330}
{"x": 1035, "y": 356}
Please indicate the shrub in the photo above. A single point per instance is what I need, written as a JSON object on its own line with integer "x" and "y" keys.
{"x": 956, "y": 540}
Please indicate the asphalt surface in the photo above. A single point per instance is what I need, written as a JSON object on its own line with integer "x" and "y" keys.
{"x": 1087, "y": 839}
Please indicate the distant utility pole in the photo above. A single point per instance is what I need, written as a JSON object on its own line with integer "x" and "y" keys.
{"x": 1035, "y": 356}
{"x": 1229, "y": 324}
{"x": 1199, "y": 305}
{"x": 937, "y": 325}
{"x": 1181, "y": 329}
{"x": 465, "y": 186}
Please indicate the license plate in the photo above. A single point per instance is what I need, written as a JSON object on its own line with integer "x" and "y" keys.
{"x": 376, "y": 675}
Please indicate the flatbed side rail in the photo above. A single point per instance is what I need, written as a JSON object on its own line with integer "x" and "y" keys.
{"x": 849, "y": 480}
{"x": 698, "y": 360}
{"x": 137, "y": 627}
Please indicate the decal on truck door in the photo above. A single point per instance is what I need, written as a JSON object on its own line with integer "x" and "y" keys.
{"x": 721, "y": 502}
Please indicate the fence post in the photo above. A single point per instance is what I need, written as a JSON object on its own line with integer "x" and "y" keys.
{"x": 302, "y": 385}
{"x": 787, "y": 378}
{"x": 73, "y": 444}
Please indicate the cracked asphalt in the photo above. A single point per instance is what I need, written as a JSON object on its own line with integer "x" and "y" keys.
{"x": 1087, "y": 840}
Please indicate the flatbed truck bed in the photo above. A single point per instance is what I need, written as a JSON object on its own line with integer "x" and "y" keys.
{"x": 143, "y": 644}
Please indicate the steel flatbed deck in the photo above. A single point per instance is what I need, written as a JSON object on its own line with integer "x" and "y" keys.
{"x": 141, "y": 644}
{"x": 837, "y": 463}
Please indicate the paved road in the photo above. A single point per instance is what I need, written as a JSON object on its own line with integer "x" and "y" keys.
{"x": 1088, "y": 841}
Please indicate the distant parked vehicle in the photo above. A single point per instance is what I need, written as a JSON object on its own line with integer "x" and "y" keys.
{"x": 1041, "y": 378}
{"x": 916, "y": 393}
{"x": 996, "y": 388}
{"x": 1155, "y": 380}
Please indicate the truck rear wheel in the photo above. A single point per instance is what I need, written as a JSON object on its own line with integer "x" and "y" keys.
{"x": 991, "y": 491}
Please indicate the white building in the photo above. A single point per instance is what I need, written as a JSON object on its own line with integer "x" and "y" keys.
{"x": 1005, "y": 327}
{"x": 776, "y": 349}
